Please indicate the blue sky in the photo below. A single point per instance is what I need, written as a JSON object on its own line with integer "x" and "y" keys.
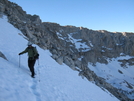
{"x": 110, "y": 15}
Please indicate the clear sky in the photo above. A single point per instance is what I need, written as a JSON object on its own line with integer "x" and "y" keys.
{"x": 110, "y": 15}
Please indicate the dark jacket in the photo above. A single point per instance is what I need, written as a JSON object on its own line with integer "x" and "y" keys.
{"x": 32, "y": 52}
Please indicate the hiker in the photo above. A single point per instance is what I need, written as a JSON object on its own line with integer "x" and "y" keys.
{"x": 32, "y": 56}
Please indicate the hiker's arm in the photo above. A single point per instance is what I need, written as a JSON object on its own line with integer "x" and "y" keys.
{"x": 26, "y": 50}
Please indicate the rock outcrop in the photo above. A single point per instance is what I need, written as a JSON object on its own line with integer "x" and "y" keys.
{"x": 92, "y": 46}
{"x": 2, "y": 55}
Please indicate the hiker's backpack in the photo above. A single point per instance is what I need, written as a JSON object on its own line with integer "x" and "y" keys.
{"x": 36, "y": 55}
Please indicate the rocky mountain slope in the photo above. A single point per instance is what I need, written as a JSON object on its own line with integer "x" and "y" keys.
{"x": 75, "y": 46}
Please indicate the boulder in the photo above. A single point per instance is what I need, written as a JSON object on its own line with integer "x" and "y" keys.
{"x": 2, "y": 55}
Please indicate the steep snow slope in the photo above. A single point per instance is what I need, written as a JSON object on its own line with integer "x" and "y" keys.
{"x": 53, "y": 82}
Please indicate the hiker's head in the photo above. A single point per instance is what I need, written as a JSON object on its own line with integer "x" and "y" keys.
{"x": 29, "y": 44}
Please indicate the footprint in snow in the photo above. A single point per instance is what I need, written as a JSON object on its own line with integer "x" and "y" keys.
{"x": 35, "y": 90}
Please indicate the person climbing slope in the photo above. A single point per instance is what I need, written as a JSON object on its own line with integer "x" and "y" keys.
{"x": 32, "y": 56}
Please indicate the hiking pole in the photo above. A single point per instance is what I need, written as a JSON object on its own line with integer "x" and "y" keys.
{"x": 38, "y": 70}
{"x": 38, "y": 62}
{"x": 19, "y": 60}
{"x": 39, "y": 73}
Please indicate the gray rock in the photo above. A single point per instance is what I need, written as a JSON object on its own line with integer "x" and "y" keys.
{"x": 2, "y": 55}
